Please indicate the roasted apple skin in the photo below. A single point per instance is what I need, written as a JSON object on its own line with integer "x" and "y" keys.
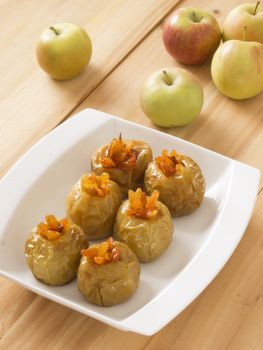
{"x": 94, "y": 214}
{"x": 181, "y": 193}
{"x": 55, "y": 262}
{"x": 112, "y": 283}
{"x": 147, "y": 238}
{"x": 126, "y": 179}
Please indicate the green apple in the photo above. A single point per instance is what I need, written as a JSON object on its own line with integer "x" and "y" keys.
{"x": 237, "y": 69}
{"x": 171, "y": 97}
{"x": 64, "y": 50}
{"x": 246, "y": 15}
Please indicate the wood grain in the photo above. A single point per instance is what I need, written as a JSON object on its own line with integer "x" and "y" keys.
{"x": 228, "y": 315}
{"x": 31, "y": 102}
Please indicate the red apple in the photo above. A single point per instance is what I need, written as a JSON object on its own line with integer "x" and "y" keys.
{"x": 191, "y": 35}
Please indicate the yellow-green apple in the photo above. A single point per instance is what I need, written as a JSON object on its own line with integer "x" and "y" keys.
{"x": 191, "y": 35}
{"x": 64, "y": 50}
{"x": 246, "y": 15}
{"x": 171, "y": 97}
{"x": 237, "y": 69}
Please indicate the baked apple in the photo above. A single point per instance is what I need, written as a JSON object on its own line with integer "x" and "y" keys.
{"x": 53, "y": 250}
{"x": 144, "y": 224}
{"x": 179, "y": 180}
{"x": 109, "y": 273}
{"x": 92, "y": 204}
{"x": 125, "y": 161}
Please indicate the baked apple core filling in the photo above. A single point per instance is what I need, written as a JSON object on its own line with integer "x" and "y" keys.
{"x": 170, "y": 164}
{"x": 97, "y": 185}
{"x": 142, "y": 206}
{"x": 119, "y": 154}
{"x": 53, "y": 228}
{"x": 102, "y": 253}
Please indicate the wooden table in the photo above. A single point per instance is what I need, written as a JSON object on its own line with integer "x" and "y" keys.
{"x": 126, "y": 37}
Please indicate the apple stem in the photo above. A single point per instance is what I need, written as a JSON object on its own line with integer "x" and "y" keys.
{"x": 244, "y": 33}
{"x": 256, "y": 7}
{"x": 167, "y": 79}
{"x": 194, "y": 16}
{"x": 54, "y": 30}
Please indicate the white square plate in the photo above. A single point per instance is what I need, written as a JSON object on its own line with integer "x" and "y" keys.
{"x": 203, "y": 241}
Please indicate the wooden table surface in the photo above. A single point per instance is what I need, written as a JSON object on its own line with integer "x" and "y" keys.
{"x": 127, "y": 44}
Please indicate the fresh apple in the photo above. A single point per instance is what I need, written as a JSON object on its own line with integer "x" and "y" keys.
{"x": 171, "y": 97}
{"x": 64, "y": 50}
{"x": 191, "y": 35}
{"x": 237, "y": 69}
{"x": 246, "y": 15}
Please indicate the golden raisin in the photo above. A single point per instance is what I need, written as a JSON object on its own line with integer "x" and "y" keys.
{"x": 102, "y": 253}
{"x": 97, "y": 185}
{"x": 53, "y": 228}
{"x": 170, "y": 164}
{"x": 119, "y": 154}
{"x": 142, "y": 206}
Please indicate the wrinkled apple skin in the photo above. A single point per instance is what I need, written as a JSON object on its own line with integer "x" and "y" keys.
{"x": 126, "y": 179}
{"x": 243, "y": 16}
{"x": 55, "y": 262}
{"x": 181, "y": 193}
{"x": 64, "y": 55}
{"x": 147, "y": 238}
{"x": 237, "y": 69}
{"x": 191, "y": 39}
{"x": 112, "y": 283}
{"x": 94, "y": 214}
